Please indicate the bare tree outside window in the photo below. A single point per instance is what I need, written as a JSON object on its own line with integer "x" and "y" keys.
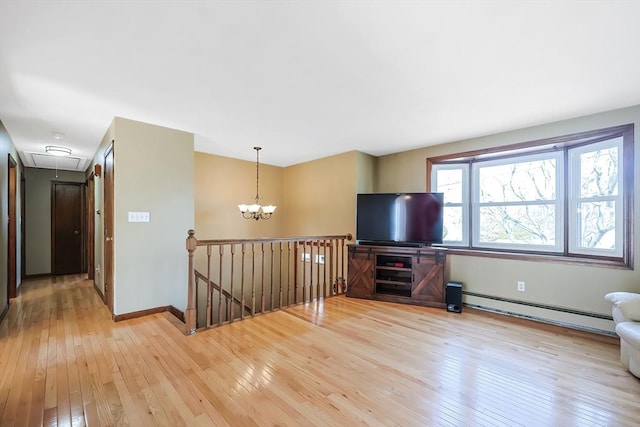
{"x": 517, "y": 203}
{"x": 568, "y": 196}
{"x": 598, "y": 200}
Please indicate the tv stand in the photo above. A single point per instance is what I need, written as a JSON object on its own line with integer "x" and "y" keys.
{"x": 394, "y": 244}
{"x": 397, "y": 274}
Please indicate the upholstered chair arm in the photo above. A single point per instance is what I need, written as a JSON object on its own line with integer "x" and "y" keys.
{"x": 626, "y": 306}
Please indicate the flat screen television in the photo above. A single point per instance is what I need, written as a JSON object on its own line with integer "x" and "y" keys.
{"x": 403, "y": 219}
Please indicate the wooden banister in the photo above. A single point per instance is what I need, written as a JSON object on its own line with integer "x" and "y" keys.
{"x": 300, "y": 239}
{"x": 274, "y": 273}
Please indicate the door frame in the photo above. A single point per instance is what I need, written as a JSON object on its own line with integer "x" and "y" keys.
{"x": 12, "y": 239}
{"x": 90, "y": 200}
{"x": 53, "y": 222}
{"x": 108, "y": 224}
{"x": 23, "y": 227}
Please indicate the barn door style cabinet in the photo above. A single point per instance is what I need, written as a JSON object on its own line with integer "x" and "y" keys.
{"x": 397, "y": 274}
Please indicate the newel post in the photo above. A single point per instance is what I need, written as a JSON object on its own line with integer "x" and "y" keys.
{"x": 190, "y": 314}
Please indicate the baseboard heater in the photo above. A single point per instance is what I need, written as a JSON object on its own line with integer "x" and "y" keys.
{"x": 541, "y": 319}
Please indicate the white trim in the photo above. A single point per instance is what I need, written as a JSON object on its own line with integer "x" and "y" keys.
{"x": 558, "y": 201}
{"x": 464, "y": 197}
{"x": 575, "y": 199}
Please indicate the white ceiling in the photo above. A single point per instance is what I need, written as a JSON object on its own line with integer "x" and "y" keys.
{"x": 309, "y": 79}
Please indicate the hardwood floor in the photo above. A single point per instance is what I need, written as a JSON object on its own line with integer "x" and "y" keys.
{"x": 338, "y": 363}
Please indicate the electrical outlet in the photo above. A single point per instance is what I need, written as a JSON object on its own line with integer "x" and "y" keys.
{"x": 305, "y": 257}
{"x": 319, "y": 259}
{"x": 520, "y": 286}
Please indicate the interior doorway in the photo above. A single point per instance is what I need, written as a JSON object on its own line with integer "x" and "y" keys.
{"x": 90, "y": 229}
{"x": 108, "y": 226}
{"x": 23, "y": 246}
{"x": 67, "y": 235}
{"x": 12, "y": 237}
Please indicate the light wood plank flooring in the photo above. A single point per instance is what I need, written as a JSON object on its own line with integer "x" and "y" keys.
{"x": 343, "y": 362}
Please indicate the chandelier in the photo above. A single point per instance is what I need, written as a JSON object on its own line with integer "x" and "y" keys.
{"x": 255, "y": 210}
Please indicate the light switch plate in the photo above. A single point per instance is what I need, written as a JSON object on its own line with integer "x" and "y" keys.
{"x": 138, "y": 216}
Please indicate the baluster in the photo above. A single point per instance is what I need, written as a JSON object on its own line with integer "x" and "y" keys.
{"x": 220, "y": 284}
{"x": 296, "y": 245}
{"x": 242, "y": 285}
{"x": 262, "y": 279}
{"x": 318, "y": 272}
{"x": 341, "y": 250}
{"x": 311, "y": 264}
{"x": 230, "y": 303}
{"x": 332, "y": 278}
{"x": 289, "y": 272}
{"x": 280, "y": 278}
{"x": 209, "y": 311}
{"x": 304, "y": 272}
{"x": 197, "y": 297}
{"x": 253, "y": 279}
{"x": 271, "y": 280}
{"x": 190, "y": 317}
{"x": 324, "y": 269}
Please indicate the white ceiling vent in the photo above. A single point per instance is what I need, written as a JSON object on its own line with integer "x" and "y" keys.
{"x": 47, "y": 161}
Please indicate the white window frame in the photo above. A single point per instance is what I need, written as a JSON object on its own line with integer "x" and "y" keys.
{"x": 575, "y": 199}
{"x": 558, "y": 202}
{"x": 464, "y": 168}
{"x": 568, "y": 145}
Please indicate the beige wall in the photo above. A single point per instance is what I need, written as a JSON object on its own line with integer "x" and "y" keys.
{"x": 319, "y": 196}
{"x": 366, "y": 171}
{"x": 313, "y": 198}
{"x": 6, "y": 149}
{"x": 150, "y": 262}
{"x": 38, "y": 215}
{"x": 570, "y": 286}
{"x": 221, "y": 183}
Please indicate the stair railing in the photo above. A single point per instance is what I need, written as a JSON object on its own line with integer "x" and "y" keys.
{"x": 233, "y": 279}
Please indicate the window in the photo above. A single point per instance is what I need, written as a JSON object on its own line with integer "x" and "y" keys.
{"x": 569, "y": 196}
{"x": 453, "y": 180}
{"x": 517, "y": 203}
{"x": 595, "y": 203}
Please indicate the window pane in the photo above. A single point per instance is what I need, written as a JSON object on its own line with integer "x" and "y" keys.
{"x": 598, "y": 225}
{"x": 524, "y": 181}
{"x": 449, "y": 182}
{"x": 521, "y": 225}
{"x": 452, "y": 223}
{"x": 599, "y": 173}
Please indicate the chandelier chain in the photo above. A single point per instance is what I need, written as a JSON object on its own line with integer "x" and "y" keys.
{"x": 257, "y": 172}
{"x": 256, "y": 211}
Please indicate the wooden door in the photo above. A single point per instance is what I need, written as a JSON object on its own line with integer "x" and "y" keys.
{"x": 428, "y": 273}
{"x": 108, "y": 226}
{"x": 90, "y": 229}
{"x": 67, "y": 228}
{"x": 12, "y": 239}
{"x": 360, "y": 274}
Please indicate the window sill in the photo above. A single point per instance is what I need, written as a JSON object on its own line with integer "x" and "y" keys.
{"x": 559, "y": 259}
